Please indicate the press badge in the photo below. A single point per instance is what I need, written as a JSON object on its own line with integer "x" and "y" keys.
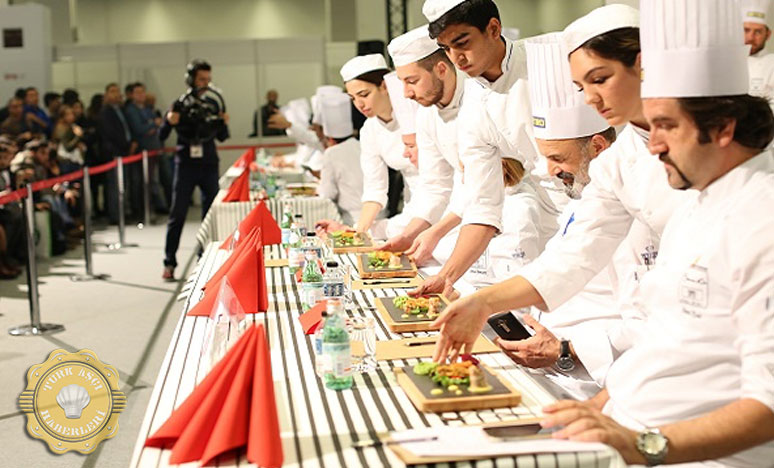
{"x": 197, "y": 151}
{"x": 694, "y": 287}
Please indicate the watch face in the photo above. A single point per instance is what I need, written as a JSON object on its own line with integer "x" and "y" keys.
{"x": 654, "y": 443}
{"x": 565, "y": 363}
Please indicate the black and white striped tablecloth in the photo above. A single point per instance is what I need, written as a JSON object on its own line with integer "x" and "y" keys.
{"x": 319, "y": 425}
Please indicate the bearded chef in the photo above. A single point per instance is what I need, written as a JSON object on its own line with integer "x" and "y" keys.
{"x": 755, "y": 17}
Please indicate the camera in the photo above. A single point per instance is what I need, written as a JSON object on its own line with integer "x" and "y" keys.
{"x": 200, "y": 114}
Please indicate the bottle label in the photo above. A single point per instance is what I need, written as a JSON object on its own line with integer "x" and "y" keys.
{"x": 333, "y": 289}
{"x": 312, "y": 294}
{"x": 338, "y": 358}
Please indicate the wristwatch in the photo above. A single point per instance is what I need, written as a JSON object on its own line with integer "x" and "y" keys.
{"x": 653, "y": 445}
{"x": 565, "y": 362}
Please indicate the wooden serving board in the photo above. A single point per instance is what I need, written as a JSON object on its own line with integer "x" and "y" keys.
{"x": 395, "y": 321}
{"x": 408, "y": 269}
{"x": 418, "y": 388}
{"x": 368, "y": 246}
{"x": 399, "y": 283}
{"x": 275, "y": 262}
{"x": 387, "y": 350}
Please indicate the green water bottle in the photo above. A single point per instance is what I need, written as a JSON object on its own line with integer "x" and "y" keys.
{"x": 336, "y": 350}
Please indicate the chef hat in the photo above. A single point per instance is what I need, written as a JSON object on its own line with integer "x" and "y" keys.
{"x": 297, "y": 111}
{"x": 404, "y": 109}
{"x": 434, "y": 9}
{"x": 559, "y": 111}
{"x": 321, "y": 90}
{"x": 412, "y": 46}
{"x": 512, "y": 33}
{"x": 599, "y": 21}
{"x": 755, "y": 11}
{"x": 692, "y": 48}
{"x": 336, "y": 111}
{"x": 361, "y": 64}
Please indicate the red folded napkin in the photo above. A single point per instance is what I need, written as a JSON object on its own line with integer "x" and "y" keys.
{"x": 246, "y": 158}
{"x": 251, "y": 239}
{"x": 312, "y": 318}
{"x": 239, "y": 191}
{"x": 233, "y": 407}
{"x": 247, "y": 277}
{"x": 261, "y": 217}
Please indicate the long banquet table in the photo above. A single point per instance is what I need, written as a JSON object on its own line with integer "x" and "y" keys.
{"x": 319, "y": 425}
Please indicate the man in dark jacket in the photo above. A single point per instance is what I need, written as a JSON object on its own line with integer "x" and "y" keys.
{"x": 115, "y": 140}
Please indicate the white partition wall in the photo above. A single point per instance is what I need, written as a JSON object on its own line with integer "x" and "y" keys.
{"x": 25, "y": 48}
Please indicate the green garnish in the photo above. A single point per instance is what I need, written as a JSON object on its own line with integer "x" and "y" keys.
{"x": 424, "y": 368}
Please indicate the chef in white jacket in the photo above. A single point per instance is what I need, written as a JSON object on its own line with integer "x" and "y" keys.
{"x": 755, "y": 20}
{"x": 697, "y": 386}
{"x": 627, "y": 184}
{"x": 497, "y": 119}
{"x": 341, "y": 179}
{"x": 297, "y": 113}
{"x": 571, "y": 343}
{"x": 380, "y": 142}
{"x": 428, "y": 77}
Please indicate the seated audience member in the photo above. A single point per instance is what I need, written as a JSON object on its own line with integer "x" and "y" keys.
{"x": 38, "y": 121}
{"x": 67, "y": 136}
{"x": 341, "y": 179}
{"x": 15, "y": 125}
{"x": 11, "y": 220}
{"x": 52, "y": 101}
{"x": 267, "y": 110}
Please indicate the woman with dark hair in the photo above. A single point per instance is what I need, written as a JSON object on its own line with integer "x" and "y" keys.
{"x": 381, "y": 145}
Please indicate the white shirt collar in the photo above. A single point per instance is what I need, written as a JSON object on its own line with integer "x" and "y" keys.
{"x": 505, "y": 65}
{"x": 734, "y": 181}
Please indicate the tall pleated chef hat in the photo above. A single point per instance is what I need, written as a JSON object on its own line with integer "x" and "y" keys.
{"x": 411, "y": 47}
{"x": 320, "y": 91}
{"x": 403, "y": 108}
{"x": 361, "y": 64}
{"x": 692, "y": 48}
{"x": 559, "y": 110}
{"x": 434, "y": 9}
{"x": 297, "y": 111}
{"x": 599, "y": 21}
{"x": 336, "y": 110}
{"x": 755, "y": 11}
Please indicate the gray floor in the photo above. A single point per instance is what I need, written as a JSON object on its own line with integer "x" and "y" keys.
{"x": 127, "y": 320}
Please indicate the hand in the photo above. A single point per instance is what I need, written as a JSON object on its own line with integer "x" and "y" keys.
{"x": 397, "y": 243}
{"x": 254, "y": 167}
{"x": 71, "y": 197}
{"x": 225, "y": 117}
{"x": 173, "y": 118}
{"x": 42, "y": 206}
{"x": 278, "y": 121}
{"x": 541, "y": 350}
{"x": 586, "y": 424}
{"x": 436, "y": 284}
{"x": 421, "y": 250}
{"x": 329, "y": 225}
{"x": 77, "y": 130}
{"x": 461, "y": 324}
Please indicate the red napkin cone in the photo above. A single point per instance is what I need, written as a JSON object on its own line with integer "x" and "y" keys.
{"x": 233, "y": 407}
{"x": 238, "y": 251}
{"x": 246, "y": 158}
{"x": 264, "y": 446}
{"x": 239, "y": 191}
{"x": 312, "y": 318}
{"x": 261, "y": 217}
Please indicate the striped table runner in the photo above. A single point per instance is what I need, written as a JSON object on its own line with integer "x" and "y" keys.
{"x": 319, "y": 425}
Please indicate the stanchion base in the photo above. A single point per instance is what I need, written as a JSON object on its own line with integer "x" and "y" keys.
{"x": 119, "y": 246}
{"x": 87, "y": 277}
{"x": 36, "y": 330}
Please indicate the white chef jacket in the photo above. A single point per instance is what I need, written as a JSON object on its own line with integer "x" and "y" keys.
{"x": 439, "y": 164}
{"x": 627, "y": 183}
{"x": 496, "y": 120}
{"x": 761, "y": 69}
{"x": 709, "y": 335}
{"x": 341, "y": 179}
{"x": 309, "y": 148}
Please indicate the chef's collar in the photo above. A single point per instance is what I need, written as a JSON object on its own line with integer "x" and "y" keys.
{"x": 451, "y": 109}
{"x": 759, "y": 54}
{"x": 505, "y": 65}
{"x": 392, "y": 125}
{"x": 641, "y": 132}
{"x": 734, "y": 181}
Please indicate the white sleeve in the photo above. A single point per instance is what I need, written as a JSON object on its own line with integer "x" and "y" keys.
{"x": 458, "y": 200}
{"x": 598, "y": 225}
{"x": 304, "y": 136}
{"x": 376, "y": 178}
{"x": 480, "y": 158}
{"x": 328, "y": 187}
{"x": 436, "y": 175}
{"x": 519, "y": 242}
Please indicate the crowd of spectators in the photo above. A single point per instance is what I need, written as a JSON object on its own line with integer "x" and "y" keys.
{"x": 62, "y": 136}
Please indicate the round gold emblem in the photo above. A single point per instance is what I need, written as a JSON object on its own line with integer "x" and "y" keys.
{"x": 72, "y": 401}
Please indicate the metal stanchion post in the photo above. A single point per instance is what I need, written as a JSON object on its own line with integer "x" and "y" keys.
{"x": 87, "y": 247}
{"x": 121, "y": 211}
{"x": 35, "y": 327}
{"x": 145, "y": 189}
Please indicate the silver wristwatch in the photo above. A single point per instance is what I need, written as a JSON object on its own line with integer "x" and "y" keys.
{"x": 652, "y": 444}
{"x": 565, "y": 362}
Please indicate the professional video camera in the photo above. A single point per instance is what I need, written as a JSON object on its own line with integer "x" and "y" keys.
{"x": 200, "y": 114}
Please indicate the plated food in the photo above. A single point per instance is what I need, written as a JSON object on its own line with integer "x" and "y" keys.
{"x": 350, "y": 241}
{"x": 455, "y": 377}
{"x": 410, "y": 314}
{"x": 422, "y": 307}
{"x": 382, "y": 260}
{"x": 381, "y": 264}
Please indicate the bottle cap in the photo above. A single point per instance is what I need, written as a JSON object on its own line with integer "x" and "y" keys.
{"x": 332, "y": 264}
{"x": 299, "y": 215}
{"x": 311, "y": 234}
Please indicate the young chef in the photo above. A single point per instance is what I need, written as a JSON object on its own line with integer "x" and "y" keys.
{"x": 697, "y": 385}
{"x": 627, "y": 183}
{"x": 497, "y": 120}
{"x": 755, "y": 20}
{"x": 341, "y": 179}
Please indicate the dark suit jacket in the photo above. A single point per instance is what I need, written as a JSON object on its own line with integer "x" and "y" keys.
{"x": 112, "y": 134}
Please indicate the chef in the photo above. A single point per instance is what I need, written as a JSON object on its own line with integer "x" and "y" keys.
{"x": 380, "y": 142}
{"x": 341, "y": 179}
{"x": 571, "y": 343}
{"x": 755, "y": 17}
{"x": 497, "y": 117}
{"x": 698, "y": 383}
{"x": 429, "y": 78}
{"x": 627, "y": 183}
{"x": 297, "y": 113}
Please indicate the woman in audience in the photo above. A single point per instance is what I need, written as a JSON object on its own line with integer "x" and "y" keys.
{"x": 67, "y": 137}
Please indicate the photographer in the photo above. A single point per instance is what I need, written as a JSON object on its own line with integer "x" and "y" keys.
{"x": 199, "y": 117}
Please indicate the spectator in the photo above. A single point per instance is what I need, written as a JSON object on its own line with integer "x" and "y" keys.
{"x": 166, "y": 160}
{"x": 11, "y": 219}
{"x": 70, "y": 97}
{"x": 267, "y": 110}
{"x": 37, "y": 119}
{"x": 15, "y": 126}
{"x": 144, "y": 126}
{"x": 19, "y": 93}
{"x": 115, "y": 141}
{"x": 67, "y": 136}
{"x": 93, "y": 156}
{"x": 52, "y": 101}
